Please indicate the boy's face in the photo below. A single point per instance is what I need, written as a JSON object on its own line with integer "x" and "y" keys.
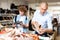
{"x": 21, "y": 13}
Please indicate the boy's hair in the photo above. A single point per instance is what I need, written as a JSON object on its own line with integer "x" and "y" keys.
{"x": 22, "y": 8}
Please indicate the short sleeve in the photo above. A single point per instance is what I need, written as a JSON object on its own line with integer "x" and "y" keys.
{"x": 35, "y": 15}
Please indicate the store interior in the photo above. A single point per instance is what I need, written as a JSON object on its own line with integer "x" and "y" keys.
{"x": 9, "y": 9}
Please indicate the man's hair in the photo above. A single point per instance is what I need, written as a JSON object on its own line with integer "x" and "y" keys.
{"x": 44, "y": 3}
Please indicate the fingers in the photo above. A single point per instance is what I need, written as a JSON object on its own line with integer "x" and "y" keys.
{"x": 41, "y": 31}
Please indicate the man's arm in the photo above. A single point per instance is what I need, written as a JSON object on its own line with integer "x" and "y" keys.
{"x": 48, "y": 30}
{"x": 35, "y": 25}
{"x": 49, "y": 24}
{"x": 38, "y": 28}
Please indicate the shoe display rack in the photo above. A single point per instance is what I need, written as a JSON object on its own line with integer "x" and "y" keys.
{"x": 7, "y": 18}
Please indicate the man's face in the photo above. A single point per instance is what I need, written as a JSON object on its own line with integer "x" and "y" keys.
{"x": 43, "y": 8}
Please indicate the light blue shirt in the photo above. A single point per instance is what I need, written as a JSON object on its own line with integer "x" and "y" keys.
{"x": 24, "y": 21}
{"x": 44, "y": 20}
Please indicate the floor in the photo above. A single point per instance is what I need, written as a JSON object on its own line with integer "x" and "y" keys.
{"x": 58, "y": 37}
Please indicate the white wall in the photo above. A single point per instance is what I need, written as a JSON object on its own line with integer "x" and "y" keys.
{"x": 5, "y": 4}
{"x": 34, "y": 5}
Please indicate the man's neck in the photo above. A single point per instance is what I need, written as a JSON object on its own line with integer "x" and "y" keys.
{"x": 42, "y": 13}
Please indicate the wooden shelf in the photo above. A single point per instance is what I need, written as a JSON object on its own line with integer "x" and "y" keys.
{"x": 7, "y": 15}
{"x": 6, "y": 22}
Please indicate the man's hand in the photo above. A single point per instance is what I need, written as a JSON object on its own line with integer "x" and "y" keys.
{"x": 41, "y": 31}
{"x": 36, "y": 25}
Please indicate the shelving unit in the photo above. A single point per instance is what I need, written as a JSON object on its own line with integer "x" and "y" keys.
{"x": 8, "y": 21}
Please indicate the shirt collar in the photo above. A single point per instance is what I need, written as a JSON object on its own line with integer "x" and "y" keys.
{"x": 43, "y": 14}
{"x": 21, "y": 16}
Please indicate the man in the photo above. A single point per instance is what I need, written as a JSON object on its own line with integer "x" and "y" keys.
{"x": 42, "y": 20}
